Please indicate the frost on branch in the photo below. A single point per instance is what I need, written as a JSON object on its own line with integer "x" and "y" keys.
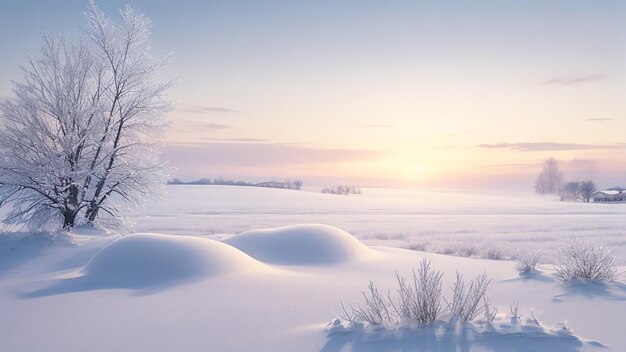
{"x": 422, "y": 308}
{"x": 420, "y": 300}
{"x": 80, "y": 137}
{"x": 527, "y": 261}
{"x": 585, "y": 260}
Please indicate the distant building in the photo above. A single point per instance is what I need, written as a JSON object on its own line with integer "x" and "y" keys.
{"x": 611, "y": 195}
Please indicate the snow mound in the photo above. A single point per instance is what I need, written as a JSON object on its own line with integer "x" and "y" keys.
{"x": 143, "y": 259}
{"x": 300, "y": 245}
{"x": 500, "y": 336}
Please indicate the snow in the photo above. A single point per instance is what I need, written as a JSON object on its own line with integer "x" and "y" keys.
{"x": 463, "y": 223}
{"x": 142, "y": 261}
{"x": 300, "y": 245}
{"x": 157, "y": 257}
{"x": 180, "y": 289}
{"x": 502, "y": 335}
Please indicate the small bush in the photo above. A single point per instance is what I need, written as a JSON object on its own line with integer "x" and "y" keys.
{"x": 449, "y": 250}
{"x": 375, "y": 311}
{"x": 494, "y": 254}
{"x": 421, "y": 301}
{"x": 514, "y": 313}
{"x": 418, "y": 246}
{"x": 585, "y": 260}
{"x": 527, "y": 261}
{"x": 466, "y": 251}
{"x": 466, "y": 303}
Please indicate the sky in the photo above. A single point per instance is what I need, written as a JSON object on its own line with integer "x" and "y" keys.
{"x": 454, "y": 94}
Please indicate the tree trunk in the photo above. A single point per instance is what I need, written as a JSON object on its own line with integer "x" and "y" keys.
{"x": 69, "y": 220}
{"x": 92, "y": 212}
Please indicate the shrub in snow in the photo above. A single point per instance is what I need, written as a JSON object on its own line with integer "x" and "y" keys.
{"x": 466, "y": 251}
{"x": 449, "y": 250}
{"x": 468, "y": 301}
{"x": 494, "y": 254}
{"x": 514, "y": 313}
{"x": 489, "y": 311}
{"x": 418, "y": 246}
{"x": 585, "y": 260}
{"x": 527, "y": 261}
{"x": 344, "y": 190}
{"x": 420, "y": 300}
{"x": 375, "y": 311}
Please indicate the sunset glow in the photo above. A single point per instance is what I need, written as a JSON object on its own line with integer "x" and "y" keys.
{"x": 402, "y": 94}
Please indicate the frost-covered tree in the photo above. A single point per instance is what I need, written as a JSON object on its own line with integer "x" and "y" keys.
{"x": 587, "y": 188}
{"x": 126, "y": 160}
{"x": 46, "y": 135}
{"x": 550, "y": 179}
{"x": 80, "y": 136}
{"x": 570, "y": 190}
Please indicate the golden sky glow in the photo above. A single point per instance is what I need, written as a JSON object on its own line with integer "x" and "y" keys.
{"x": 405, "y": 93}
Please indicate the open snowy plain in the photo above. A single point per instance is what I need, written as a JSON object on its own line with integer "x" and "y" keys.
{"x": 461, "y": 223}
{"x": 193, "y": 282}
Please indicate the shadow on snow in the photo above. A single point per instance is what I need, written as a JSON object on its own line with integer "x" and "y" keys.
{"x": 591, "y": 289}
{"x": 462, "y": 339}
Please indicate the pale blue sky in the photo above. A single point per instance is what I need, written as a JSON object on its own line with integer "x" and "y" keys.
{"x": 377, "y": 92}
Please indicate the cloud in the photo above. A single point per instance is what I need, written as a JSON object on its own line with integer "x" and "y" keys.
{"x": 214, "y": 126}
{"x": 189, "y": 125}
{"x": 512, "y": 165}
{"x": 572, "y": 80}
{"x": 582, "y": 162}
{"x": 548, "y": 146}
{"x": 376, "y": 126}
{"x": 234, "y": 139}
{"x": 599, "y": 119}
{"x": 201, "y": 109}
{"x": 254, "y": 154}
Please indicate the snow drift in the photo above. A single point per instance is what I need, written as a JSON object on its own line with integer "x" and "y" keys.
{"x": 150, "y": 257}
{"x": 300, "y": 245}
{"x": 153, "y": 262}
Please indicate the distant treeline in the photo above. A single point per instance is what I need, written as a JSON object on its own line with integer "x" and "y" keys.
{"x": 287, "y": 184}
{"x": 341, "y": 190}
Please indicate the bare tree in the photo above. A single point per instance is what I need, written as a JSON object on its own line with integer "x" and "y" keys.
{"x": 84, "y": 126}
{"x": 570, "y": 190}
{"x": 46, "y": 136}
{"x": 587, "y": 188}
{"x": 550, "y": 179}
{"x": 126, "y": 164}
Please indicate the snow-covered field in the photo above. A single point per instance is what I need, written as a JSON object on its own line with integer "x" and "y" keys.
{"x": 275, "y": 290}
{"x": 449, "y": 222}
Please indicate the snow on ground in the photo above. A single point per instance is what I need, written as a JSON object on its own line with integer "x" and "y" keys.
{"x": 148, "y": 261}
{"x": 275, "y": 290}
{"x": 300, "y": 245}
{"x": 153, "y": 292}
{"x": 461, "y": 223}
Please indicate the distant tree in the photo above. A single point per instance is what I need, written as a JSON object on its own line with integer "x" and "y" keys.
{"x": 175, "y": 181}
{"x": 297, "y": 184}
{"x": 343, "y": 190}
{"x": 550, "y": 179}
{"x": 570, "y": 190}
{"x": 587, "y": 188}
